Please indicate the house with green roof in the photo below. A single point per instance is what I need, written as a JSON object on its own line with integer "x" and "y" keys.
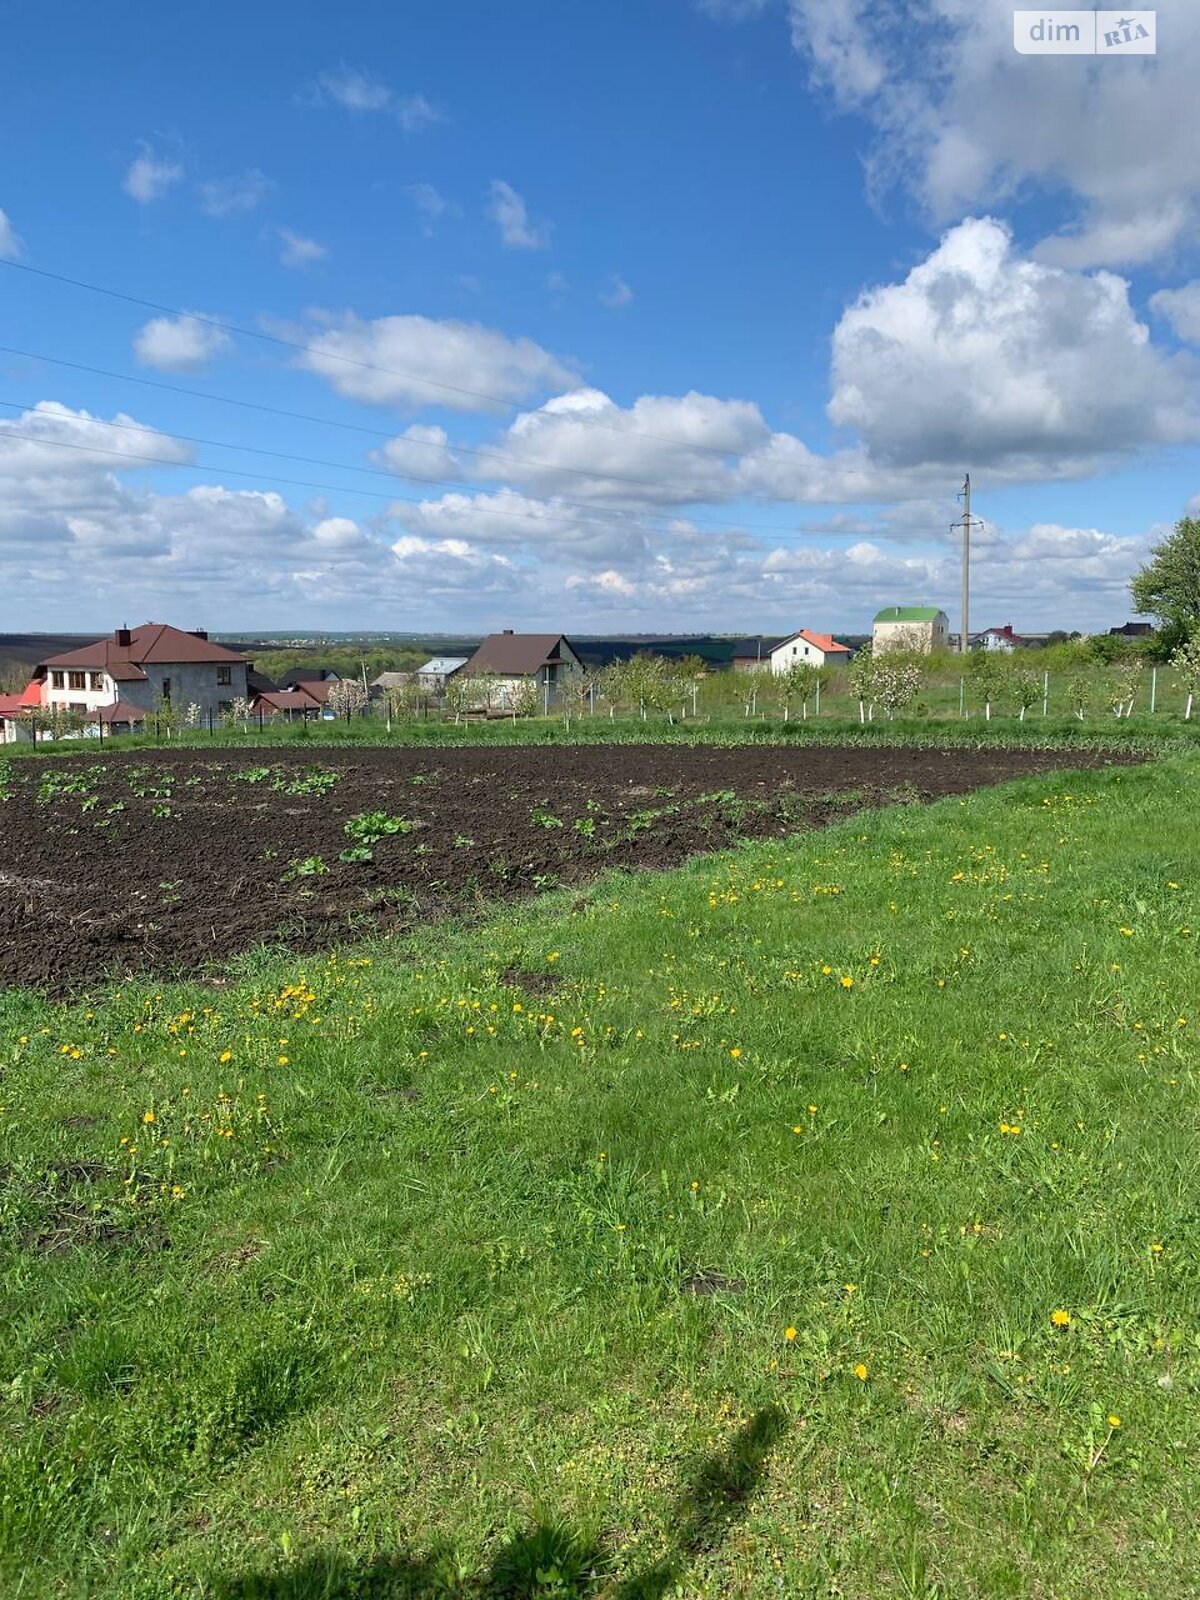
{"x": 921, "y": 628}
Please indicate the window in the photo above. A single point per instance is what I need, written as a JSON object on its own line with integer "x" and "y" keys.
{"x": 166, "y": 689}
{"x": 77, "y": 680}
{"x": 97, "y": 681}
{"x": 58, "y": 680}
{"x": 224, "y": 675}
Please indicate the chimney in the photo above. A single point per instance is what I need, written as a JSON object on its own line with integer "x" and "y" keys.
{"x": 199, "y": 633}
{"x": 123, "y": 638}
{"x": 508, "y": 630}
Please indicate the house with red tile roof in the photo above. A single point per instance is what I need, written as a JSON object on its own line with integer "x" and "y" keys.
{"x": 807, "y": 648}
{"x": 140, "y": 670}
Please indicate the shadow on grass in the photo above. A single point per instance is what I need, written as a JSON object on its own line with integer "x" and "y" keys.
{"x": 550, "y": 1561}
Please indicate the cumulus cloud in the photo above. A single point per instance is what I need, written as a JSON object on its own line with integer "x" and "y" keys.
{"x": 662, "y": 450}
{"x": 362, "y": 93}
{"x": 508, "y": 211}
{"x": 1181, "y": 308}
{"x": 226, "y": 197}
{"x": 179, "y": 344}
{"x": 150, "y": 176}
{"x": 420, "y": 452}
{"x": 982, "y": 356}
{"x": 297, "y": 251}
{"x": 965, "y": 121}
{"x": 11, "y": 246}
{"x": 417, "y": 361}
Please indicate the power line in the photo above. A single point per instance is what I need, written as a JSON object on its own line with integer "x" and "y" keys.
{"x": 367, "y": 366}
{"x": 483, "y": 452}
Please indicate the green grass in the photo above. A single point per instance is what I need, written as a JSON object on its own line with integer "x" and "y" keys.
{"x": 1138, "y": 733}
{"x": 482, "y": 1287}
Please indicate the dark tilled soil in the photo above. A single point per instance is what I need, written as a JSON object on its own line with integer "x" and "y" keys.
{"x": 169, "y": 862}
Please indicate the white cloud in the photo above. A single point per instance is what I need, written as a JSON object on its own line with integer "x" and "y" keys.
{"x": 179, "y": 344}
{"x": 731, "y": 10}
{"x": 431, "y": 206}
{"x": 360, "y": 93}
{"x": 983, "y": 357}
{"x": 662, "y": 450}
{"x": 224, "y": 197}
{"x": 965, "y": 121}
{"x": 461, "y": 365}
{"x": 298, "y": 251}
{"x": 616, "y": 293}
{"x": 420, "y": 452}
{"x": 1181, "y": 308}
{"x": 11, "y": 245}
{"x": 508, "y": 211}
{"x": 150, "y": 176}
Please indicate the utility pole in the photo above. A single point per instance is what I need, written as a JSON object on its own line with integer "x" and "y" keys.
{"x": 966, "y": 523}
{"x": 966, "y": 564}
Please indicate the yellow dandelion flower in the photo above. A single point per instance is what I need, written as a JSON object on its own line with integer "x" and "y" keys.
{"x": 735, "y": 1053}
{"x": 1060, "y": 1319}
{"x": 1113, "y": 1420}
{"x": 789, "y": 1334}
{"x": 860, "y": 1372}
{"x": 148, "y": 1116}
{"x": 846, "y": 981}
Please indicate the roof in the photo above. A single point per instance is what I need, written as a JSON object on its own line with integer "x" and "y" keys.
{"x": 317, "y": 689}
{"x": 119, "y": 711}
{"x": 519, "y": 655}
{"x": 909, "y": 614}
{"x": 443, "y": 666}
{"x": 12, "y": 705}
{"x": 391, "y": 680}
{"x": 824, "y": 642}
{"x": 752, "y": 649}
{"x": 153, "y": 644}
{"x": 288, "y": 700}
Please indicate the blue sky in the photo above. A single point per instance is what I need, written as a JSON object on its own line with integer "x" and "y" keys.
{"x": 681, "y": 315}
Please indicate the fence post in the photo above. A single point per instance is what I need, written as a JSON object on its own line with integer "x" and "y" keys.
{"x": 1153, "y": 688}
{"x": 962, "y": 697}
{"x": 100, "y": 727}
{"x": 1045, "y": 693}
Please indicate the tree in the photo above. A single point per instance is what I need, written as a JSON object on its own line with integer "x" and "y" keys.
{"x": 989, "y": 669}
{"x": 797, "y": 684}
{"x": 347, "y": 697}
{"x": 1027, "y": 690}
{"x": 1186, "y": 662}
{"x": 1168, "y": 586}
{"x": 864, "y": 671}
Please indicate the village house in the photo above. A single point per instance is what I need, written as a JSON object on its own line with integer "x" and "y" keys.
{"x": 918, "y": 628}
{"x": 436, "y": 674}
{"x": 511, "y": 660}
{"x": 809, "y": 649}
{"x": 753, "y": 655}
{"x": 117, "y": 680}
{"x": 1001, "y": 640}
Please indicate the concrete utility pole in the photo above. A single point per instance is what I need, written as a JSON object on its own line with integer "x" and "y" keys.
{"x": 966, "y": 566}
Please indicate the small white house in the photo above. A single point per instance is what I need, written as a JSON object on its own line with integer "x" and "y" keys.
{"x": 917, "y": 628}
{"x": 808, "y": 649}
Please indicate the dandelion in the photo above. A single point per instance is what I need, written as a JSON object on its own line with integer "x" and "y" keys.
{"x": 789, "y": 1334}
{"x": 1060, "y": 1319}
{"x": 860, "y": 1372}
{"x": 846, "y": 981}
{"x": 1113, "y": 1420}
{"x": 735, "y": 1052}
{"x": 148, "y": 1116}
{"x": 812, "y": 1111}
{"x": 283, "y": 1060}
{"x": 226, "y": 1056}
{"x": 850, "y": 1288}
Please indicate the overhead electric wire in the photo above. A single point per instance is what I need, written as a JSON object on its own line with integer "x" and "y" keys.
{"x": 483, "y": 452}
{"x": 367, "y": 366}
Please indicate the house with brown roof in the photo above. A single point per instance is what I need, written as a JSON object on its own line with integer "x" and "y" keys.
{"x": 511, "y": 660}
{"x": 809, "y": 649}
{"x": 137, "y": 670}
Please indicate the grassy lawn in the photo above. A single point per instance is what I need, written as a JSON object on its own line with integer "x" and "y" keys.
{"x": 820, "y": 1219}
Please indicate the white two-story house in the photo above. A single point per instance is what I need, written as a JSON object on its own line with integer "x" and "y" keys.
{"x": 142, "y": 670}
